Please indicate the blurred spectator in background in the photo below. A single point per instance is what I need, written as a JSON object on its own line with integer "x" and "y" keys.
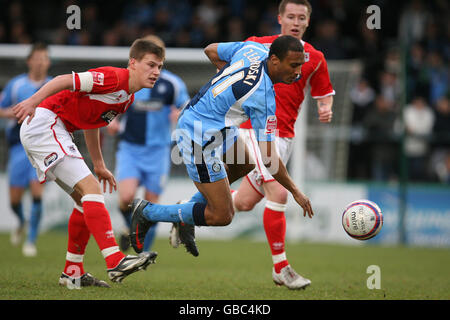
{"x": 437, "y": 75}
{"x": 19, "y": 33}
{"x": 419, "y": 120}
{"x": 442, "y": 168}
{"x": 441, "y": 127}
{"x": 390, "y": 87}
{"x": 328, "y": 40}
{"x": 440, "y": 159}
{"x": 392, "y": 61}
{"x": 112, "y": 37}
{"x": 137, "y": 13}
{"x": 433, "y": 39}
{"x": 16, "y": 19}
{"x": 162, "y": 23}
{"x": 379, "y": 124}
{"x": 413, "y": 22}
{"x": 235, "y": 30}
{"x": 417, "y": 81}
{"x": 208, "y": 11}
{"x": 368, "y": 49}
{"x": 362, "y": 95}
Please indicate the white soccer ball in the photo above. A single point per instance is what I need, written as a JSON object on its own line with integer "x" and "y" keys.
{"x": 362, "y": 219}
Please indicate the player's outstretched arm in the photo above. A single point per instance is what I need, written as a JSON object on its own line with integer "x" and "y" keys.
{"x": 92, "y": 138}
{"x": 213, "y": 55}
{"x": 278, "y": 170}
{"x": 28, "y": 106}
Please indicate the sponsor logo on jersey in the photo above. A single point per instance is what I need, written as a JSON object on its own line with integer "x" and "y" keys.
{"x": 271, "y": 124}
{"x": 98, "y": 77}
{"x": 153, "y": 105}
{"x": 306, "y": 56}
{"x": 216, "y": 167}
{"x": 50, "y": 159}
{"x": 109, "y": 116}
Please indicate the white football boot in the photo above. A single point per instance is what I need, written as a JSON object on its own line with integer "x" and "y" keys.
{"x": 131, "y": 264}
{"x": 29, "y": 249}
{"x": 289, "y": 278}
{"x": 17, "y": 235}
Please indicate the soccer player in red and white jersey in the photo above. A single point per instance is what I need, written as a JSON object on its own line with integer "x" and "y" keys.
{"x": 294, "y": 16}
{"x": 86, "y": 101}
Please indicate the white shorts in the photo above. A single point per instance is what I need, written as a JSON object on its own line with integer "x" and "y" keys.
{"x": 51, "y": 150}
{"x": 260, "y": 174}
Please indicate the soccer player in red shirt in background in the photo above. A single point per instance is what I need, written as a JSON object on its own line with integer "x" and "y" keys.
{"x": 86, "y": 101}
{"x": 294, "y": 16}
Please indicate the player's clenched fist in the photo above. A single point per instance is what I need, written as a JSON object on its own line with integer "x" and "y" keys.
{"x": 325, "y": 114}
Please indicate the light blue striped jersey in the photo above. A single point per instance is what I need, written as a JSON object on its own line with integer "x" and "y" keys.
{"x": 147, "y": 121}
{"x": 16, "y": 90}
{"x": 239, "y": 91}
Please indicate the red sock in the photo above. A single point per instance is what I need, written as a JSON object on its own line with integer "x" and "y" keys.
{"x": 78, "y": 238}
{"x": 99, "y": 223}
{"x": 275, "y": 227}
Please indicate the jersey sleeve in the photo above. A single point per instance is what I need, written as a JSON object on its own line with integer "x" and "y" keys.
{"x": 100, "y": 80}
{"x": 320, "y": 81}
{"x": 226, "y": 50}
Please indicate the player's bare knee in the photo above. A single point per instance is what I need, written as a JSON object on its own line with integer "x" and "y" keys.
{"x": 88, "y": 185}
{"x": 277, "y": 193}
{"x": 282, "y": 196}
{"x": 244, "y": 205}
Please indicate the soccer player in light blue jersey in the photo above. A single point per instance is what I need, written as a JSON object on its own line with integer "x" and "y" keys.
{"x": 20, "y": 171}
{"x": 143, "y": 156}
{"x": 207, "y": 136}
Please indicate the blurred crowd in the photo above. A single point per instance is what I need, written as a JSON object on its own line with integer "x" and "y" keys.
{"x": 384, "y": 108}
{"x": 415, "y": 31}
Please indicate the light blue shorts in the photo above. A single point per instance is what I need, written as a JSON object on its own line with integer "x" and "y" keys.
{"x": 204, "y": 162}
{"x": 150, "y": 165}
{"x": 20, "y": 170}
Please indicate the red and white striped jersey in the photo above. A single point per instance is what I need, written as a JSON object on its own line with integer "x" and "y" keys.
{"x": 289, "y": 97}
{"x": 98, "y": 95}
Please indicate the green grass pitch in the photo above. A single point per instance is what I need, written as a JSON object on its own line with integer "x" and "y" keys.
{"x": 232, "y": 270}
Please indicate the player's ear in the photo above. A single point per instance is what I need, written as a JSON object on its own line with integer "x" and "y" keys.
{"x": 274, "y": 59}
{"x": 132, "y": 63}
